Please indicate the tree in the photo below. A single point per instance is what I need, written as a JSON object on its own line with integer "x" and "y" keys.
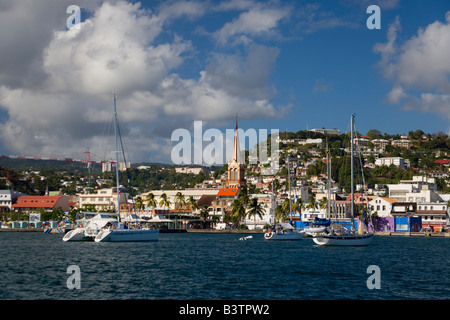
{"x": 280, "y": 214}
{"x": 237, "y": 211}
{"x": 164, "y": 202}
{"x": 255, "y": 209}
{"x": 150, "y": 199}
{"x": 179, "y": 199}
{"x": 311, "y": 203}
{"x": 204, "y": 215}
{"x": 192, "y": 203}
{"x": 323, "y": 203}
{"x": 139, "y": 204}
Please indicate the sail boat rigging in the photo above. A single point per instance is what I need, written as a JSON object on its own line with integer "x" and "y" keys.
{"x": 103, "y": 228}
{"x": 345, "y": 237}
{"x": 285, "y": 231}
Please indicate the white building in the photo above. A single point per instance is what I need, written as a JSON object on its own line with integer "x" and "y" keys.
{"x": 396, "y": 161}
{"x": 327, "y": 131}
{"x": 419, "y": 189}
{"x": 102, "y": 199}
{"x": 7, "y": 198}
{"x": 382, "y": 206}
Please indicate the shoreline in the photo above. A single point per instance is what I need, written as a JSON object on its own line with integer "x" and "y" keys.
{"x": 390, "y": 234}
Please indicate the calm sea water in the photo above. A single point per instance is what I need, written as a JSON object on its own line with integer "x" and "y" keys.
{"x": 220, "y": 267}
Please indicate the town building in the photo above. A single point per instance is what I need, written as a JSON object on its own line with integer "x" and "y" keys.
{"x": 434, "y": 215}
{"x": 419, "y": 189}
{"x": 8, "y": 198}
{"x": 327, "y": 131}
{"x": 37, "y": 203}
{"x": 382, "y": 206}
{"x": 103, "y": 199}
{"x": 396, "y": 161}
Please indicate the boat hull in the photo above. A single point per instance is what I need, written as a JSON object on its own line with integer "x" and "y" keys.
{"x": 284, "y": 236}
{"x": 127, "y": 235}
{"x": 343, "y": 240}
{"x": 77, "y": 234}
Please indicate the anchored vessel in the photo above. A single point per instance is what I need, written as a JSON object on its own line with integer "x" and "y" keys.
{"x": 107, "y": 229}
{"x": 344, "y": 236}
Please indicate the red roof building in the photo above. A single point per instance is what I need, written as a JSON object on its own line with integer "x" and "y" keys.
{"x": 37, "y": 203}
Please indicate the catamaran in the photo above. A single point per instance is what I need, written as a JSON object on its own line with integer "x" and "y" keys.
{"x": 113, "y": 230}
{"x": 345, "y": 236}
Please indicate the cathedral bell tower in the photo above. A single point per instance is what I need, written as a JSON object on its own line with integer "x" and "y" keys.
{"x": 236, "y": 168}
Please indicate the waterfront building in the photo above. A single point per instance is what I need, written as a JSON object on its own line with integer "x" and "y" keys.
{"x": 434, "y": 215}
{"x": 8, "y": 198}
{"x": 103, "y": 199}
{"x": 29, "y": 204}
{"x": 382, "y": 206}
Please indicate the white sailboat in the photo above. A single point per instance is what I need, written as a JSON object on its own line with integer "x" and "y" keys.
{"x": 284, "y": 231}
{"x": 88, "y": 231}
{"x": 345, "y": 237}
{"x": 120, "y": 232}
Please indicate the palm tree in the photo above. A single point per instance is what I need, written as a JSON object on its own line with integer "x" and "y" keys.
{"x": 311, "y": 203}
{"x": 164, "y": 202}
{"x": 280, "y": 214}
{"x": 139, "y": 204}
{"x": 323, "y": 203}
{"x": 300, "y": 205}
{"x": 179, "y": 199}
{"x": 192, "y": 203}
{"x": 256, "y": 209}
{"x": 204, "y": 214}
{"x": 150, "y": 199}
{"x": 237, "y": 211}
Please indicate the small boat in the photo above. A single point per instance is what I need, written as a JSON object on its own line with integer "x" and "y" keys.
{"x": 348, "y": 238}
{"x": 246, "y": 238}
{"x": 283, "y": 231}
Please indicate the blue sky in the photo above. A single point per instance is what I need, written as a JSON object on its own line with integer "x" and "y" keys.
{"x": 287, "y": 65}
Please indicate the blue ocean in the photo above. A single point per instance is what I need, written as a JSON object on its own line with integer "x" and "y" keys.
{"x": 202, "y": 266}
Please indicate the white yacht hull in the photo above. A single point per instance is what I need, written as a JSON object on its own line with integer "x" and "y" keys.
{"x": 343, "y": 240}
{"x": 77, "y": 234}
{"x": 284, "y": 236}
{"x": 127, "y": 235}
{"x": 312, "y": 231}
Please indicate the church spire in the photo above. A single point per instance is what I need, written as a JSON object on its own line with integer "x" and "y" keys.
{"x": 236, "y": 147}
{"x": 236, "y": 169}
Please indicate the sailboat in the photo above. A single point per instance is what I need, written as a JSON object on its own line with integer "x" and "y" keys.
{"x": 120, "y": 232}
{"x": 321, "y": 225}
{"x": 88, "y": 230}
{"x": 103, "y": 227}
{"x": 284, "y": 231}
{"x": 344, "y": 236}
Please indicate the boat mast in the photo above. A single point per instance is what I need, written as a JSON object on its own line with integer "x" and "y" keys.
{"x": 352, "y": 178}
{"x": 329, "y": 182}
{"x": 289, "y": 177}
{"x": 117, "y": 159}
